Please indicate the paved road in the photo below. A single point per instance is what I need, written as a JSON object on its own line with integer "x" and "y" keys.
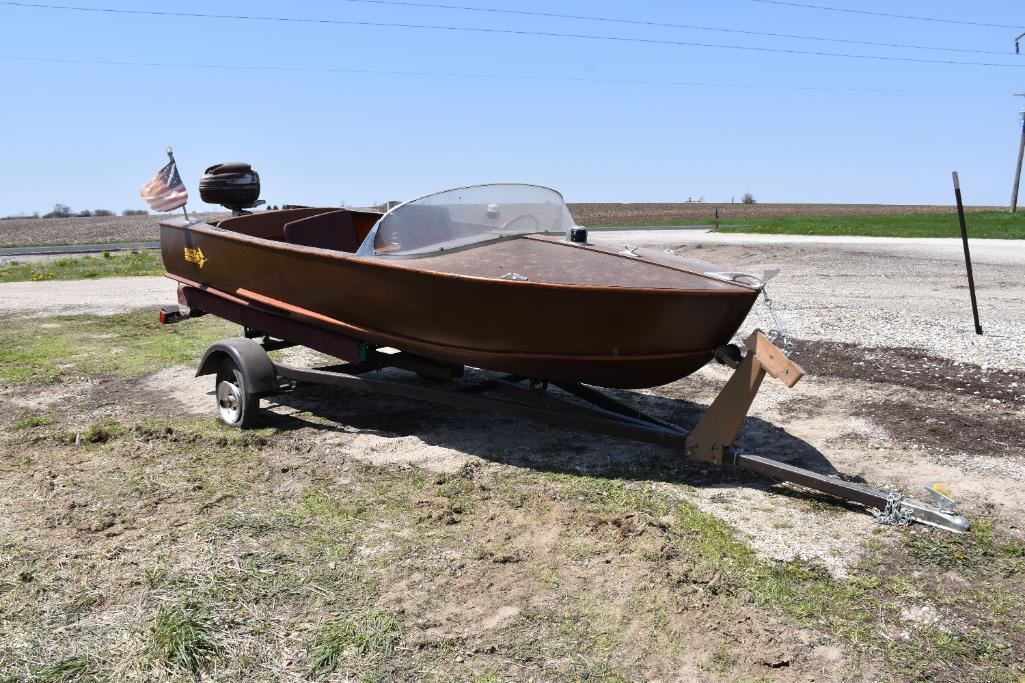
{"x": 77, "y": 248}
{"x": 660, "y": 228}
{"x": 1008, "y": 252}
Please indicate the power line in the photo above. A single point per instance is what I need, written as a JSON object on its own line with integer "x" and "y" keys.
{"x": 472, "y": 75}
{"x": 492, "y": 31}
{"x": 661, "y": 24}
{"x": 885, "y": 14}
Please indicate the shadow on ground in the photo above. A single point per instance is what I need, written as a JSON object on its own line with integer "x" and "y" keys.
{"x": 521, "y": 443}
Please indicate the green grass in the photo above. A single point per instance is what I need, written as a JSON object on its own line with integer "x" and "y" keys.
{"x": 358, "y": 636}
{"x": 180, "y": 637}
{"x": 84, "y": 267}
{"x": 31, "y": 422}
{"x": 981, "y": 224}
{"x": 76, "y": 668}
{"x": 127, "y": 345}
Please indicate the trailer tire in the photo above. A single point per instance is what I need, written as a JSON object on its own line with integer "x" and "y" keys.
{"x": 237, "y": 406}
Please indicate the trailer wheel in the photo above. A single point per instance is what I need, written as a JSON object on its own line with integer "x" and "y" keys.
{"x": 236, "y": 405}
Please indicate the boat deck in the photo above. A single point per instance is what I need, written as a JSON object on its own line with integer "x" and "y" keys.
{"x": 551, "y": 260}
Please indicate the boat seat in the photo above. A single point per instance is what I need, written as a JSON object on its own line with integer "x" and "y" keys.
{"x": 332, "y": 230}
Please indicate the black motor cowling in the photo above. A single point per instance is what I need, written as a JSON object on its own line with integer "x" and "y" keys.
{"x": 234, "y": 185}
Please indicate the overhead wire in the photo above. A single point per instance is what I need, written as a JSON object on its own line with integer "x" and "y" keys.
{"x": 663, "y": 24}
{"x": 505, "y": 76}
{"x": 516, "y": 32}
{"x": 888, "y": 15}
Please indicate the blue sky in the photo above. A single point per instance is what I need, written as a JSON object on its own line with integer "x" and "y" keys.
{"x": 89, "y": 135}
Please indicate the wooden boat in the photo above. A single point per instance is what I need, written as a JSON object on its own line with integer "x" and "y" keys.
{"x": 491, "y": 276}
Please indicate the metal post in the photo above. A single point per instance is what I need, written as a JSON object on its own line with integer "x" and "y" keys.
{"x": 170, "y": 154}
{"x": 1017, "y": 170}
{"x": 967, "y": 255}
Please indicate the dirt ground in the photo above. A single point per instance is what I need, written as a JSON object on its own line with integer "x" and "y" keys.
{"x": 22, "y": 232}
{"x": 18, "y": 232}
{"x": 363, "y": 537}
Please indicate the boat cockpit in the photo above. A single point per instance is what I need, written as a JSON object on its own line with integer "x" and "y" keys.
{"x": 322, "y": 228}
{"x": 438, "y": 222}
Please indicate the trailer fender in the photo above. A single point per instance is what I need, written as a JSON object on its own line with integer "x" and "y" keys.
{"x": 256, "y": 366}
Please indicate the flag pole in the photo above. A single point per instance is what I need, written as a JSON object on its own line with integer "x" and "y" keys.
{"x": 170, "y": 154}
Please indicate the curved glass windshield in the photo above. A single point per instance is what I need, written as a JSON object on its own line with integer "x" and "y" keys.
{"x": 465, "y": 216}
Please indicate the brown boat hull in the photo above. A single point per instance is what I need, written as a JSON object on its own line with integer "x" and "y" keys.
{"x": 623, "y": 337}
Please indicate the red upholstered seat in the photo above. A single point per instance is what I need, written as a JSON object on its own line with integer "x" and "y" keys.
{"x": 332, "y": 230}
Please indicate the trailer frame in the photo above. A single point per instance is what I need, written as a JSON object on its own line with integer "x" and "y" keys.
{"x": 245, "y": 373}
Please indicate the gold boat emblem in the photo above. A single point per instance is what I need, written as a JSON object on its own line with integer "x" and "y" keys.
{"x": 195, "y": 256}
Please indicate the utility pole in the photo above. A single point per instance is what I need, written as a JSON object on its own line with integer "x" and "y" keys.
{"x": 1021, "y": 145}
{"x": 1021, "y": 153}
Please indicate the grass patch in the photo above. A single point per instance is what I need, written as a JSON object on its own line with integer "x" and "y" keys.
{"x": 180, "y": 637}
{"x": 110, "y": 264}
{"x": 613, "y": 496}
{"x": 953, "y": 551}
{"x": 865, "y": 609}
{"x": 101, "y": 433}
{"x": 981, "y": 224}
{"x": 210, "y": 434}
{"x": 31, "y": 422}
{"x": 126, "y": 345}
{"x": 78, "y": 668}
{"x": 354, "y": 637}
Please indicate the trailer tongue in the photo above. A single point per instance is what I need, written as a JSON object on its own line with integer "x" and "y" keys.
{"x": 245, "y": 373}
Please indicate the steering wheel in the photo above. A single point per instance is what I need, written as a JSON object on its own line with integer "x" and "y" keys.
{"x": 505, "y": 226}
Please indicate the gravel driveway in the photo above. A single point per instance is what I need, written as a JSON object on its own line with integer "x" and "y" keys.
{"x": 104, "y": 296}
{"x": 876, "y": 291}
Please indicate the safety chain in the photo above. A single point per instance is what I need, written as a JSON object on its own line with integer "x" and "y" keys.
{"x": 893, "y": 513}
{"x": 778, "y": 334}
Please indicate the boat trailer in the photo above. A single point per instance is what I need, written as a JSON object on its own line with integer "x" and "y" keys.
{"x": 245, "y": 373}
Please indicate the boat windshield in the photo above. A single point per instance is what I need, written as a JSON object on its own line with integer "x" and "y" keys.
{"x": 465, "y": 216}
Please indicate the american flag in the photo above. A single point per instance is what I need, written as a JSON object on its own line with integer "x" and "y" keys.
{"x": 166, "y": 191}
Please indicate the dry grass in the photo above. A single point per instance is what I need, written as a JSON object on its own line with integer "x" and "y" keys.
{"x": 169, "y": 550}
{"x": 172, "y": 548}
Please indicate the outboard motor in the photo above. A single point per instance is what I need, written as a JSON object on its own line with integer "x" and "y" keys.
{"x": 233, "y": 185}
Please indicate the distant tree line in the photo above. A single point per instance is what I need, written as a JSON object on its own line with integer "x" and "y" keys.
{"x": 64, "y": 211}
